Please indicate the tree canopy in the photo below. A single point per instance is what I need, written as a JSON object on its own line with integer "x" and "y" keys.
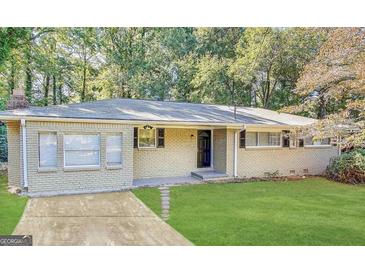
{"x": 242, "y": 66}
{"x": 332, "y": 86}
{"x": 316, "y": 72}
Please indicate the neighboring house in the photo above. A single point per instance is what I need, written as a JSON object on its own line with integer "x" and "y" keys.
{"x": 106, "y": 145}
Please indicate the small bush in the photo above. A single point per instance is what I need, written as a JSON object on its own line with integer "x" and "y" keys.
{"x": 348, "y": 168}
{"x": 3, "y": 144}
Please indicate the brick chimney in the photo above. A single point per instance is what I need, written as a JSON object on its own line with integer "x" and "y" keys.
{"x": 18, "y": 99}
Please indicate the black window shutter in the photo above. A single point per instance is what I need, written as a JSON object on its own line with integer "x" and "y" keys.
{"x": 301, "y": 142}
{"x": 243, "y": 139}
{"x": 286, "y": 138}
{"x": 135, "y": 137}
{"x": 161, "y": 137}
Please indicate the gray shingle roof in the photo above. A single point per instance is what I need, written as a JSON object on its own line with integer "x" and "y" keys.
{"x": 161, "y": 111}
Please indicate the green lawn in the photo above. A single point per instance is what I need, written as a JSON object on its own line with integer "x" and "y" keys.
{"x": 313, "y": 211}
{"x": 11, "y": 207}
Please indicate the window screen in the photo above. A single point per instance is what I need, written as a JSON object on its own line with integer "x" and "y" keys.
{"x": 82, "y": 150}
{"x": 47, "y": 149}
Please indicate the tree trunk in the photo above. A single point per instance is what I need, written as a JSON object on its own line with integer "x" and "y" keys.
{"x": 60, "y": 93}
{"x": 11, "y": 83}
{"x": 54, "y": 96}
{"x": 253, "y": 97}
{"x": 46, "y": 90}
{"x": 28, "y": 66}
{"x": 266, "y": 94}
{"x": 83, "y": 91}
{"x": 28, "y": 75}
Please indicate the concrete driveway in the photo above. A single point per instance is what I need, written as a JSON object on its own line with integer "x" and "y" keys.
{"x": 97, "y": 219}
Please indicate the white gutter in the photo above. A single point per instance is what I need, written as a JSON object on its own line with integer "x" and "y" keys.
{"x": 235, "y": 144}
{"x": 24, "y": 154}
{"x": 118, "y": 121}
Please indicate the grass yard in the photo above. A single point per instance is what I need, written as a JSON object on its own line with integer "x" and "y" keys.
{"x": 11, "y": 207}
{"x": 312, "y": 211}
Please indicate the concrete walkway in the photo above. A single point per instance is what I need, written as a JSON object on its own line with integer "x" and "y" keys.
{"x": 99, "y": 219}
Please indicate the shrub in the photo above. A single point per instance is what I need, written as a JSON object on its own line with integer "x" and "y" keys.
{"x": 348, "y": 168}
{"x": 3, "y": 144}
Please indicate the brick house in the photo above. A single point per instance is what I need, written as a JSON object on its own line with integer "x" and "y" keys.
{"x": 111, "y": 145}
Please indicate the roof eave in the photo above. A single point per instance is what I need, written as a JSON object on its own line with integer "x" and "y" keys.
{"x": 140, "y": 122}
{"x": 114, "y": 121}
{"x": 274, "y": 126}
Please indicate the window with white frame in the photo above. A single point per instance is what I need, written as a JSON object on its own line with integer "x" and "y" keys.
{"x": 47, "y": 149}
{"x": 251, "y": 139}
{"x": 82, "y": 150}
{"x": 274, "y": 138}
{"x": 309, "y": 141}
{"x": 263, "y": 139}
{"x": 114, "y": 150}
{"x": 146, "y": 138}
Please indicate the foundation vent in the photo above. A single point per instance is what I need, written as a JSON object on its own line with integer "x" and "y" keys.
{"x": 305, "y": 171}
{"x": 292, "y": 171}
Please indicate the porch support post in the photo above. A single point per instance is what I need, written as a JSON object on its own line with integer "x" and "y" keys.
{"x": 235, "y": 142}
{"x": 212, "y": 149}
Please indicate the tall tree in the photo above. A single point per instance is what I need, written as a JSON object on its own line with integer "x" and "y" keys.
{"x": 81, "y": 46}
{"x": 215, "y": 80}
{"x": 333, "y": 86}
{"x": 10, "y": 38}
{"x": 270, "y": 60}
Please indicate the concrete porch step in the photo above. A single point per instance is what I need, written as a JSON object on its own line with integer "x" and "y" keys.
{"x": 208, "y": 175}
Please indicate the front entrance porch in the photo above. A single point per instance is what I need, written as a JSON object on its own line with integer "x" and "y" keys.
{"x": 195, "y": 178}
{"x": 189, "y": 155}
{"x": 206, "y": 175}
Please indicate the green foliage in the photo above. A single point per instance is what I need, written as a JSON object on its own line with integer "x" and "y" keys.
{"x": 348, "y": 168}
{"x": 236, "y": 66}
{"x": 3, "y": 144}
{"x": 270, "y": 60}
{"x": 331, "y": 86}
{"x": 10, "y": 38}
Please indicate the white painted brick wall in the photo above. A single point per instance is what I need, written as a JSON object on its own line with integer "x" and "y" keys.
{"x": 177, "y": 158}
{"x": 79, "y": 180}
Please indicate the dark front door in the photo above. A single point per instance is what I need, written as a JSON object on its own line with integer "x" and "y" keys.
{"x": 204, "y": 148}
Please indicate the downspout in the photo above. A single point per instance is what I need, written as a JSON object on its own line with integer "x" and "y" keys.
{"x": 212, "y": 149}
{"x": 235, "y": 142}
{"x": 24, "y": 152}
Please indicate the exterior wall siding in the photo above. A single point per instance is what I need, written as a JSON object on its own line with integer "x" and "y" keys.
{"x": 220, "y": 149}
{"x": 79, "y": 180}
{"x": 14, "y": 151}
{"x": 255, "y": 162}
{"x": 177, "y": 158}
{"x": 230, "y": 152}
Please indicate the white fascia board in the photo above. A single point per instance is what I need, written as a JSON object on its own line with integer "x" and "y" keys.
{"x": 117, "y": 121}
{"x": 252, "y": 127}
